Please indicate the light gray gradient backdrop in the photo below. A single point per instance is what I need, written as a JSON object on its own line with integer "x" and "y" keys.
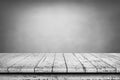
{"x": 60, "y": 26}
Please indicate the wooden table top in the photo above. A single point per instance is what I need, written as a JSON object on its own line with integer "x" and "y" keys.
{"x": 60, "y": 62}
{"x": 60, "y": 77}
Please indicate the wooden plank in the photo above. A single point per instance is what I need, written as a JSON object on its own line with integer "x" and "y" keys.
{"x": 86, "y": 63}
{"x": 46, "y": 64}
{"x": 60, "y": 77}
{"x": 59, "y": 63}
{"x": 113, "y": 55}
{"x": 113, "y": 62}
{"x": 3, "y": 54}
{"x": 8, "y": 60}
{"x": 90, "y": 77}
{"x": 101, "y": 66}
{"x": 117, "y": 54}
{"x": 27, "y": 64}
{"x": 73, "y": 64}
{"x": 28, "y": 77}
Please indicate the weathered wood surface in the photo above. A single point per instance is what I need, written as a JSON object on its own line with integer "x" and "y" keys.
{"x": 73, "y": 65}
{"x": 60, "y": 62}
{"x": 87, "y": 65}
{"x": 9, "y": 59}
{"x": 27, "y": 64}
{"x": 60, "y": 77}
{"x": 46, "y": 64}
{"x": 99, "y": 63}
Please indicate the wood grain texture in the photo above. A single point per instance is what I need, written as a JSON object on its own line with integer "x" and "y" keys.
{"x": 60, "y": 77}
{"x": 60, "y": 62}
{"x": 110, "y": 60}
{"x": 46, "y": 64}
{"x": 27, "y": 64}
{"x": 100, "y": 65}
{"x": 88, "y": 67}
{"x": 73, "y": 64}
{"x": 10, "y": 59}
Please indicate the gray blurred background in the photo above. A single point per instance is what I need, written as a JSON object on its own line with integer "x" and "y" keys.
{"x": 60, "y": 26}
